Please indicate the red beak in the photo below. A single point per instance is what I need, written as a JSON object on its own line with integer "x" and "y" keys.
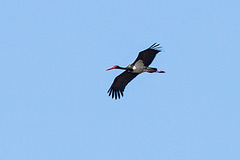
{"x": 111, "y": 68}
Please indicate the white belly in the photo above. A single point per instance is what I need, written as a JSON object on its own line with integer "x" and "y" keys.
{"x": 138, "y": 67}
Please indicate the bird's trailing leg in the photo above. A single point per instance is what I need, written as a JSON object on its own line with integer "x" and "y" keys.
{"x": 160, "y": 71}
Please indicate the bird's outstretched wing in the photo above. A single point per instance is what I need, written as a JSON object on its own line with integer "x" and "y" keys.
{"x": 120, "y": 83}
{"x": 148, "y": 55}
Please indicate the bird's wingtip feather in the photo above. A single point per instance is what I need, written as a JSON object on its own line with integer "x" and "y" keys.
{"x": 155, "y": 46}
{"x": 115, "y": 94}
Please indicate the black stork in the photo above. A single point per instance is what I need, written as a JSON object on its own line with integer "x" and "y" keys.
{"x": 140, "y": 65}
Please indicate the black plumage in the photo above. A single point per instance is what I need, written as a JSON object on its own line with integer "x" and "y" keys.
{"x": 148, "y": 55}
{"x": 121, "y": 81}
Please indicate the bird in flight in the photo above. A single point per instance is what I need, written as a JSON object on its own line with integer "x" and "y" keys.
{"x": 140, "y": 65}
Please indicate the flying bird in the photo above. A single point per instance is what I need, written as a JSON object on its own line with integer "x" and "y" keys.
{"x": 140, "y": 65}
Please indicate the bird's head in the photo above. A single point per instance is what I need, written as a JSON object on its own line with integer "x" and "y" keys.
{"x": 114, "y": 67}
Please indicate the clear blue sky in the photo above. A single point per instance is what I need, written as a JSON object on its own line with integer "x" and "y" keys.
{"x": 53, "y": 83}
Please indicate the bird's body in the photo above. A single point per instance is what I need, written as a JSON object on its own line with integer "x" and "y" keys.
{"x": 140, "y": 65}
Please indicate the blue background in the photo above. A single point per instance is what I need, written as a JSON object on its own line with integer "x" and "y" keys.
{"x": 53, "y": 83}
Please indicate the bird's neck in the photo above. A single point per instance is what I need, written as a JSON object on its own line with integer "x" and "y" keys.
{"x": 128, "y": 68}
{"x": 121, "y": 68}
